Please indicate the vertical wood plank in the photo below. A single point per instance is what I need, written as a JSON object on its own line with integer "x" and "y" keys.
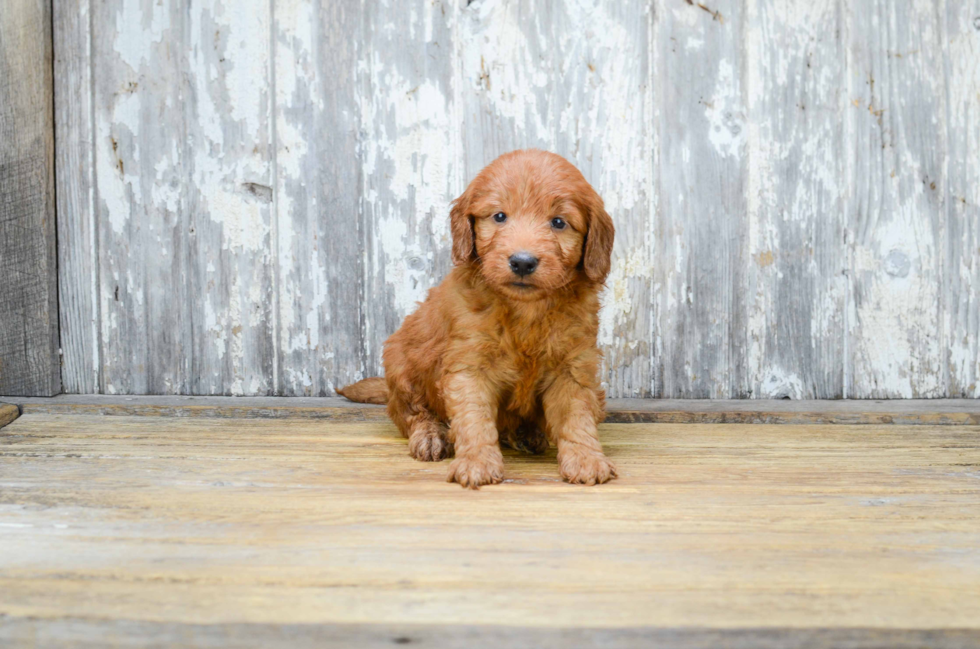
{"x": 78, "y": 255}
{"x": 183, "y": 157}
{"x": 29, "y": 362}
{"x": 507, "y": 73}
{"x": 229, "y": 197}
{"x": 701, "y": 120}
{"x": 794, "y": 283}
{"x": 141, "y": 153}
{"x": 602, "y": 100}
{"x": 896, "y": 210}
{"x": 318, "y": 194}
{"x": 408, "y": 162}
{"x": 962, "y": 272}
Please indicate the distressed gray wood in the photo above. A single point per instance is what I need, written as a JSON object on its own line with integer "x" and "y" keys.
{"x": 701, "y": 122}
{"x": 230, "y": 264}
{"x": 320, "y": 252}
{"x": 506, "y": 67}
{"x": 29, "y": 363}
{"x": 961, "y": 275}
{"x": 792, "y": 293}
{"x": 896, "y": 209}
{"x": 407, "y": 159}
{"x": 142, "y": 153}
{"x": 78, "y": 250}
{"x": 183, "y": 151}
{"x": 268, "y": 189}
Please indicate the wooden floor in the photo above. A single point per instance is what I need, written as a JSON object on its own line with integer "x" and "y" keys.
{"x": 182, "y": 531}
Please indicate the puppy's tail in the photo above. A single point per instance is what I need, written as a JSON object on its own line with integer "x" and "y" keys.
{"x": 373, "y": 390}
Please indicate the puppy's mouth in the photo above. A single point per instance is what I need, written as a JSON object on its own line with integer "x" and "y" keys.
{"x": 522, "y": 286}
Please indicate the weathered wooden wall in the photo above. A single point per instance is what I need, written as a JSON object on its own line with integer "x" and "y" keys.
{"x": 253, "y": 194}
{"x": 28, "y": 257}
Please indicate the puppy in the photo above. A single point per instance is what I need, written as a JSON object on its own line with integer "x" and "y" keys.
{"x": 504, "y": 350}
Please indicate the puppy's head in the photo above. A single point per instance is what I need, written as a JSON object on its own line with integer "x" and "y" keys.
{"x": 533, "y": 225}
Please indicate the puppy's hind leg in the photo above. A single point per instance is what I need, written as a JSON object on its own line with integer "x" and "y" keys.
{"x": 428, "y": 440}
{"x": 427, "y": 437}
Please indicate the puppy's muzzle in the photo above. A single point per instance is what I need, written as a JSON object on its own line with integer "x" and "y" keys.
{"x": 523, "y": 264}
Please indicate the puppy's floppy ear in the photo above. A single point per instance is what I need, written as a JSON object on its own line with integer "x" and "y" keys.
{"x": 462, "y": 229}
{"x": 598, "y": 241}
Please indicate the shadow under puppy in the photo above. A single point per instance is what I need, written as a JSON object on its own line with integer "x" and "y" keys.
{"x": 504, "y": 349}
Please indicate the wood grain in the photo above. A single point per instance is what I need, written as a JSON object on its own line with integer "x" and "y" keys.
{"x": 168, "y": 521}
{"x": 227, "y": 131}
{"x": 30, "y": 632}
{"x": 701, "y": 122}
{"x": 142, "y": 157}
{"x": 792, "y": 296}
{"x": 29, "y": 361}
{"x": 962, "y": 270}
{"x": 320, "y": 252}
{"x": 78, "y": 250}
{"x": 506, "y": 100}
{"x": 896, "y": 213}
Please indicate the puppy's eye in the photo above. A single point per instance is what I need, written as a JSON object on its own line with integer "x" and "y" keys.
{"x": 499, "y": 217}
{"x": 558, "y": 223}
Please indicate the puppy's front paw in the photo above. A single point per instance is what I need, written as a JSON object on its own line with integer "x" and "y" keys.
{"x": 474, "y": 469}
{"x": 580, "y": 465}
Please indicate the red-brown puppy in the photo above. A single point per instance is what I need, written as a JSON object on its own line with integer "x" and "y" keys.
{"x": 504, "y": 350}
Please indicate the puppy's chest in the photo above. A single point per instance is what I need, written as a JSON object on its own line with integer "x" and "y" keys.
{"x": 526, "y": 359}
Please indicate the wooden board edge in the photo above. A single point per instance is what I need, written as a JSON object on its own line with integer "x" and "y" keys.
{"x": 29, "y": 334}
{"x": 822, "y": 413}
{"x": 354, "y": 413}
{"x": 33, "y": 632}
{"x": 936, "y": 418}
{"x": 8, "y": 413}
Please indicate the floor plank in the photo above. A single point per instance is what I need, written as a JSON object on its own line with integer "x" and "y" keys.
{"x": 197, "y": 528}
{"x": 96, "y": 634}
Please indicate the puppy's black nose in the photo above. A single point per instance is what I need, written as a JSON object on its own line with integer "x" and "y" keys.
{"x": 523, "y": 263}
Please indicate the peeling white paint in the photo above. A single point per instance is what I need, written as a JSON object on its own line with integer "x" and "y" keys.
{"x": 508, "y": 67}
{"x": 781, "y": 384}
{"x": 962, "y": 298}
{"x": 793, "y": 189}
{"x": 219, "y": 335}
{"x": 120, "y": 186}
{"x": 617, "y": 299}
{"x": 138, "y": 27}
{"x": 724, "y": 113}
{"x": 411, "y": 143}
{"x": 570, "y": 79}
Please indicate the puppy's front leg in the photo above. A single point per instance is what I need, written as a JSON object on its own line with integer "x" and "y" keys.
{"x": 472, "y": 406}
{"x": 571, "y": 410}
